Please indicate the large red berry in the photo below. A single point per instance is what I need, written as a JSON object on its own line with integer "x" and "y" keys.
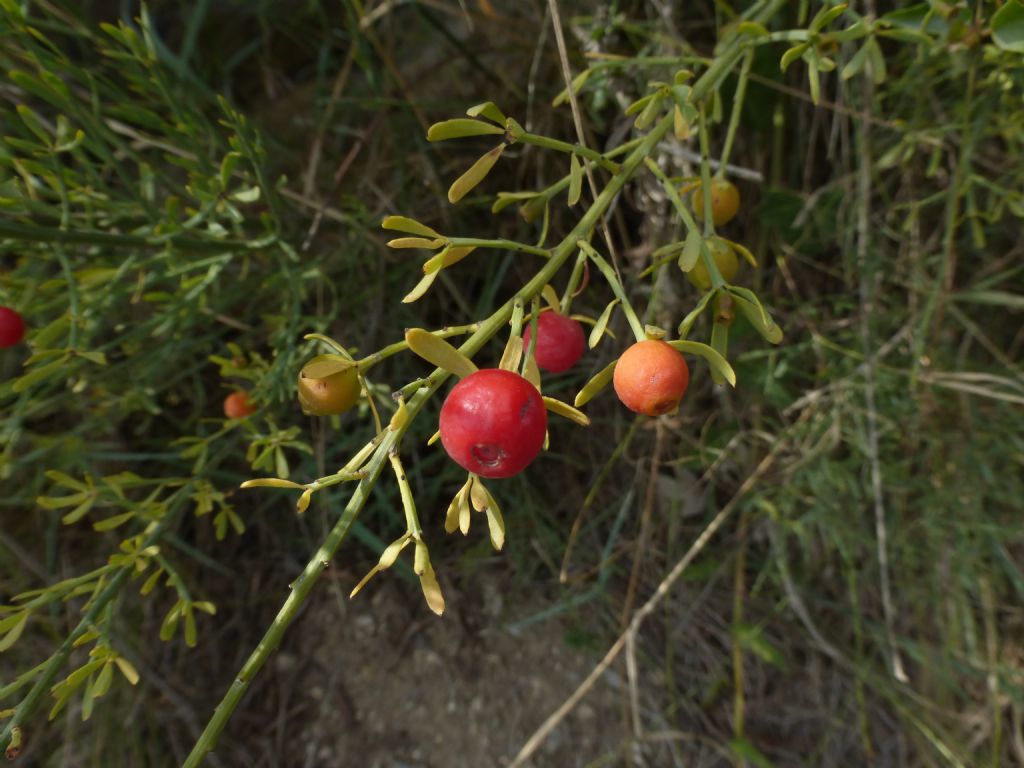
{"x": 12, "y": 327}
{"x": 493, "y": 423}
{"x": 559, "y": 342}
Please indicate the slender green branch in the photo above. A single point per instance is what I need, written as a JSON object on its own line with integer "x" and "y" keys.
{"x": 717, "y": 281}
{"x": 691, "y": 225}
{"x": 303, "y": 585}
{"x": 620, "y": 292}
{"x": 401, "y": 346}
{"x": 737, "y": 108}
{"x": 504, "y": 245}
{"x": 573, "y": 149}
{"x": 574, "y": 282}
{"x": 412, "y": 520}
{"x": 44, "y": 234}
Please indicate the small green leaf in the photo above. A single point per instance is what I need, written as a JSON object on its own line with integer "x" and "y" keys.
{"x": 856, "y": 63}
{"x": 720, "y": 344}
{"x": 596, "y": 384}
{"x": 450, "y": 255}
{"x": 814, "y": 81}
{"x": 495, "y": 523}
{"x": 577, "y": 84}
{"x": 575, "y": 179}
{"x": 451, "y": 518}
{"x": 439, "y": 352}
{"x": 512, "y": 355}
{"x": 40, "y": 374}
{"x": 128, "y": 670}
{"x": 170, "y": 622}
{"x": 421, "y": 287}
{"x": 113, "y": 522}
{"x": 322, "y": 366}
{"x": 416, "y": 242}
{"x": 476, "y": 173}
{"x": 826, "y": 16}
{"x": 103, "y": 681}
{"x": 756, "y": 314}
{"x": 15, "y": 625}
{"x": 792, "y": 55}
{"x": 409, "y": 226}
{"x": 566, "y": 410}
{"x": 639, "y": 105}
{"x": 876, "y": 61}
{"x": 752, "y": 28}
{"x": 691, "y": 250}
{"x": 190, "y": 627}
{"x": 34, "y": 124}
{"x": 855, "y": 31}
{"x": 461, "y": 128}
{"x": 715, "y": 360}
{"x": 432, "y": 590}
{"x": 270, "y": 482}
{"x": 601, "y": 325}
{"x": 646, "y": 118}
{"x": 489, "y": 110}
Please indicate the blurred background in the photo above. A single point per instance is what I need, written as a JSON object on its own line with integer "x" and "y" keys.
{"x": 187, "y": 189}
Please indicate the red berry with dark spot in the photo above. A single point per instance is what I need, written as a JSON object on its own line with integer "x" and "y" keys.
{"x": 559, "y": 342}
{"x": 493, "y": 423}
{"x": 12, "y": 327}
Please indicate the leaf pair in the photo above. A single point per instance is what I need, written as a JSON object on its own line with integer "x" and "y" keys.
{"x": 474, "y": 494}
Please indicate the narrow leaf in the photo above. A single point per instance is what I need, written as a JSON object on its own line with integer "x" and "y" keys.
{"x": 476, "y": 173}
{"x": 416, "y": 242}
{"x": 409, "y": 226}
{"x": 439, "y": 352}
{"x": 432, "y": 590}
{"x": 601, "y": 325}
{"x": 322, "y": 366}
{"x": 270, "y": 482}
{"x": 489, "y": 110}
{"x": 460, "y": 128}
{"x": 575, "y": 179}
{"x": 717, "y": 362}
{"x": 566, "y": 410}
{"x": 596, "y": 384}
{"x": 421, "y": 287}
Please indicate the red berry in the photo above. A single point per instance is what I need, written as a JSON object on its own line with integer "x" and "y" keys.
{"x": 12, "y": 327}
{"x": 559, "y": 342}
{"x": 237, "y": 405}
{"x": 493, "y": 423}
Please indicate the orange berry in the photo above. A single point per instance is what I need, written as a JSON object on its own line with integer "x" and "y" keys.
{"x": 725, "y": 258}
{"x": 331, "y": 395}
{"x": 725, "y": 202}
{"x": 237, "y": 405}
{"x": 651, "y": 377}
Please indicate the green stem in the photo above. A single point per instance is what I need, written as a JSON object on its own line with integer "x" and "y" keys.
{"x": 677, "y": 202}
{"x": 401, "y": 346}
{"x": 709, "y": 224}
{"x": 574, "y": 281}
{"x": 573, "y": 149}
{"x": 504, "y": 245}
{"x": 412, "y": 521}
{"x": 303, "y": 585}
{"x": 737, "y": 107}
{"x": 617, "y": 289}
{"x": 95, "y": 237}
